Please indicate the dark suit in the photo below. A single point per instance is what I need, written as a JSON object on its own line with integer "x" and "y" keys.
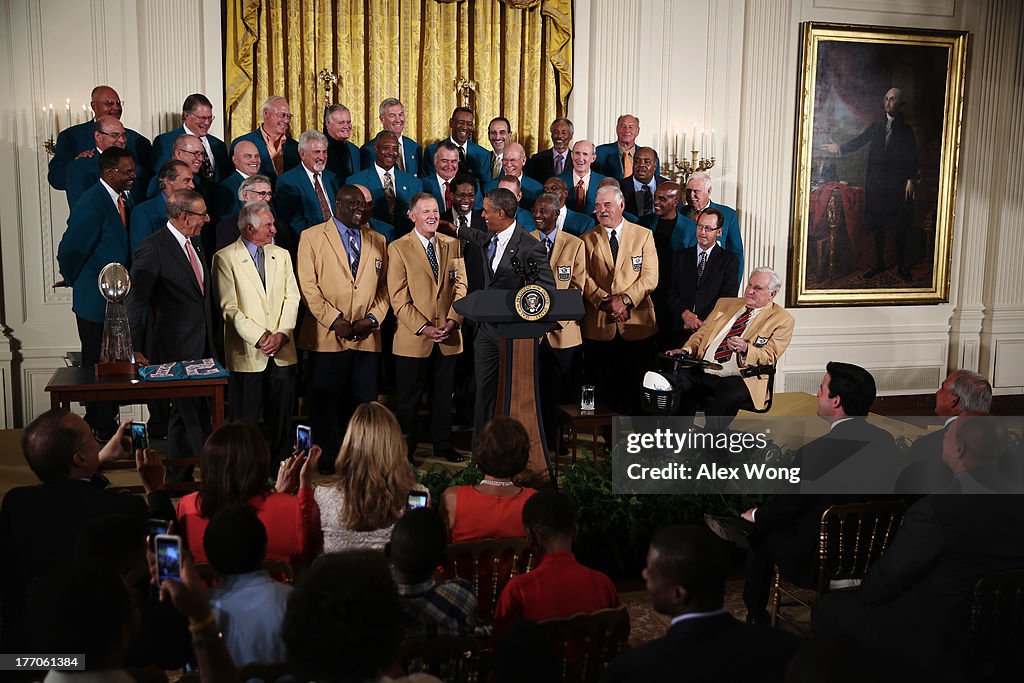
{"x": 485, "y": 346}
{"x": 541, "y": 165}
{"x": 164, "y": 287}
{"x": 39, "y": 527}
{"x": 472, "y": 253}
{"x": 730, "y": 237}
{"x": 79, "y": 138}
{"x": 406, "y": 187}
{"x": 889, "y": 167}
{"x": 926, "y": 471}
{"x": 685, "y": 293}
{"x": 296, "y": 201}
{"x": 608, "y": 160}
{"x": 710, "y": 648}
{"x": 476, "y": 162}
{"x": 163, "y": 149}
{"x": 290, "y": 152}
{"x": 342, "y": 157}
{"x": 591, "y": 200}
{"x": 411, "y": 151}
{"x": 914, "y": 602}
{"x": 531, "y": 190}
{"x": 223, "y": 199}
{"x": 629, "y": 194}
{"x": 431, "y": 185}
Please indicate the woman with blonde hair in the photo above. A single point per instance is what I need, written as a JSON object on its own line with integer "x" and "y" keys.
{"x": 373, "y": 478}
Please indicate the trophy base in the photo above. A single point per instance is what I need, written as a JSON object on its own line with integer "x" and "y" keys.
{"x": 115, "y": 370}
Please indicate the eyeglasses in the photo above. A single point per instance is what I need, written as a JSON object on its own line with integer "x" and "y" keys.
{"x": 109, "y": 103}
{"x": 196, "y": 213}
{"x": 282, "y": 115}
{"x": 207, "y": 119}
{"x": 115, "y": 136}
{"x": 262, "y": 194}
{"x": 704, "y": 228}
{"x": 198, "y": 154}
{"x": 129, "y": 172}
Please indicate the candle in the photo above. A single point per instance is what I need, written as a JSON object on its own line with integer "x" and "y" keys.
{"x": 85, "y": 113}
{"x": 49, "y": 120}
{"x": 67, "y": 110}
{"x": 703, "y": 138}
{"x": 712, "y": 143}
{"x": 675, "y": 143}
{"x": 684, "y": 143}
{"x": 694, "y": 138}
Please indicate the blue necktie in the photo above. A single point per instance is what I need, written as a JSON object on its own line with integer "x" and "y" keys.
{"x": 432, "y": 257}
{"x": 492, "y": 248}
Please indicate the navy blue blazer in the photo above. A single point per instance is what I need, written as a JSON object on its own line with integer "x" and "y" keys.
{"x": 291, "y": 153}
{"x": 85, "y": 172}
{"x": 406, "y": 186}
{"x": 570, "y": 201}
{"x": 477, "y": 160}
{"x": 729, "y": 239}
{"x": 609, "y": 162}
{"x": 94, "y": 237}
{"x": 530, "y": 187}
{"x": 338, "y": 162}
{"x": 541, "y": 165}
{"x": 525, "y": 220}
{"x": 683, "y": 236}
{"x": 163, "y": 148}
{"x": 412, "y": 153}
{"x": 147, "y": 218}
{"x": 296, "y": 200}
{"x": 577, "y": 223}
{"x": 223, "y": 198}
{"x": 629, "y": 193}
{"x": 384, "y": 229}
{"x": 74, "y": 140}
{"x": 430, "y": 185}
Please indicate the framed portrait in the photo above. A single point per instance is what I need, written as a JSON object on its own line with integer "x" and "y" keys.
{"x": 878, "y": 140}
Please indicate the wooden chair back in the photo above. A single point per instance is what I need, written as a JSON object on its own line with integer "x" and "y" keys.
{"x": 587, "y": 642}
{"x": 489, "y": 565}
{"x": 853, "y": 536}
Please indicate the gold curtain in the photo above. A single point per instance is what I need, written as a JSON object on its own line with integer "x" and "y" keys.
{"x": 519, "y": 52}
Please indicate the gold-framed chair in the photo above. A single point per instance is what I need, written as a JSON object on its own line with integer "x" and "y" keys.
{"x": 852, "y": 536}
{"x": 587, "y": 642}
{"x": 488, "y": 565}
{"x": 996, "y": 627}
{"x": 455, "y": 659}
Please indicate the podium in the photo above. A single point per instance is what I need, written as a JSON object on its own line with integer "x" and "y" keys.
{"x": 519, "y": 343}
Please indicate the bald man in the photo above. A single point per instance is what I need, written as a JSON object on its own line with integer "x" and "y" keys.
{"x": 581, "y": 181}
{"x": 512, "y": 163}
{"x": 245, "y": 157}
{"x": 84, "y": 172}
{"x": 77, "y": 141}
{"x": 188, "y": 149}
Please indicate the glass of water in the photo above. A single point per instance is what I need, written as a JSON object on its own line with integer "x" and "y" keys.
{"x": 587, "y": 398}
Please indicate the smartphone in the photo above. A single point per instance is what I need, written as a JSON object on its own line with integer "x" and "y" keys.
{"x": 157, "y": 527}
{"x": 416, "y": 499}
{"x": 140, "y": 436}
{"x": 303, "y": 439}
{"x": 168, "y": 557}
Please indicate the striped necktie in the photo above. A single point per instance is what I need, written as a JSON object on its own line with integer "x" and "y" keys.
{"x": 723, "y": 351}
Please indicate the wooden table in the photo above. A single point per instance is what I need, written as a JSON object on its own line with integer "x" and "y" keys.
{"x": 575, "y": 419}
{"x": 80, "y": 385}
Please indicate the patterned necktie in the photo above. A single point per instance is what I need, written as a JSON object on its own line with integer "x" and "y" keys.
{"x": 888, "y": 131}
{"x": 194, "y": 261}
{"x": 547, "y": 247}
{"x": 261, "y": 266}
{"x": 325, "y": 208}
{"x": 613, "y": 242}
{"x": 463, "y": 223}
{"x": 206, "y": 168}
{"x": 401, "y": 156}
{"x": 492, "y": 249}
{"x": 581, "y": 196}
{"x": 647, "y": 203}
{"x": 723, "y": 351}
{"x": 121, "y": 210}
{"x": 389, "y": 194}
{"x": 496, "y": 166}
{"x": 559, "y": 164}
{"x": 432, "y": 258}
{"x": 353, "y": 250}
{"x": 627, "y": 164}
{"x": 700, "y": 265}
{"x": 447, "y": 196}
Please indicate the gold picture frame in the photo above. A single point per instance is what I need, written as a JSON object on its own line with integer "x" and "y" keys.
{"x": 876, "y": 164}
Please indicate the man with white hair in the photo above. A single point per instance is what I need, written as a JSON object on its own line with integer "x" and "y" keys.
{"x": 619, "y": 323}
{"x": 278, "y": 151}
{"x": 305, "y": 194}
{"x": 698, "y": 200}
{"x": 740, "y": 335}
{"x": 392, "y": 119}
{"x": 512, "y": 163}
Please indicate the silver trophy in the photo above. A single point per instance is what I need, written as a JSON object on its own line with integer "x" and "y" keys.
{"x": 116, "y": 354}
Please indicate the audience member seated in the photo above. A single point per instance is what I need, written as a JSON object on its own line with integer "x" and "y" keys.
{"x": 494, "y": 507}
{"x": 913, "y": 606}
{"x": 118, "y": 542}
{"x": 558, "y": 586}
{"x": 40, "y": 524}
{"x": 248, "y": 604}
{"x": 343, "y": 622}
{"x": 360, "y": 504}
{"x": 429, "y": 609}
{"x": 686, "y": 572}
{"x": 235, "y": 463}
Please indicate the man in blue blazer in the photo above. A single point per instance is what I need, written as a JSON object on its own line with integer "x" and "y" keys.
{"x": 224, "y": 199}
{"x": 512, "y": 165}
{"x": 698, "y": 198}
{"x": 84, "y": 172}
{"x": 187, "y": 149}
{"x": 639, "y": 188}
{"x": 390, "y": 188}
{"x": 392, "y": 119}
{"x": 97, "y": 235}
{"x": 671, "y": 232}
{"x": 499, "y": 134}
{"x": 615, "y": 159}
{"x": 342, "y": 155}
{"x": 442, "y": 183}
{"x": 572, "y": 222}
{"x": 581, "y": 180}
{"x": 151, "y": 215}
{"x": 278, "y": 152}
{"x": 305, "y": 194}
{"x": 523, "y": 217}
{"x": 473, "y": 158}
{"x": 196, "y": 119}
{"x": 78, "y": 140}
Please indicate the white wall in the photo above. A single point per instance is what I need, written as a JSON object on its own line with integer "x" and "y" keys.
{"x": 729, "y": 64}
{"x": 733, "y": 65}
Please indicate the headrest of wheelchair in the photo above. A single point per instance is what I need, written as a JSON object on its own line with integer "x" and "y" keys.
{"x": 654, "y": 380}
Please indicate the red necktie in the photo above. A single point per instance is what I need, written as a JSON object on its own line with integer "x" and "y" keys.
{"x": 195, "y": 263}
{"x": 325, "y": 208}
{"x": 723, "y": 352}
{"x": 447, "y": 196}
{"x": 581, "y": 196}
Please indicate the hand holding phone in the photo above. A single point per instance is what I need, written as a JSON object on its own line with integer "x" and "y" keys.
{"x": 140, "y": 436}
{"x": 168, "y": 557}
{"x": 303, "y": 439}
{"x": 416, "y": 500}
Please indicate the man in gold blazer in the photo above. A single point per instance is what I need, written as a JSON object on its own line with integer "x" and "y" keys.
{"x": 560, "y": 347}
{"x": 739, "y": 334}
{"x": 619, "y": 324}
{"x": 343, "y": 278}
{"x": 259, "y": 300}
{"x": 426, "y": 274}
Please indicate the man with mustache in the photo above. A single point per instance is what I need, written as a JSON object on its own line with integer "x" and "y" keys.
{"x": 555, "y": 160}
{"x": 305, "y": 194}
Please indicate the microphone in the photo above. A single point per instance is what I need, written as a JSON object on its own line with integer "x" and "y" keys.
{"x": 532, "y": 270}
{"x": 517, "y": 266}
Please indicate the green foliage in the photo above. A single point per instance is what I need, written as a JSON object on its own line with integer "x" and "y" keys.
{"x": 438, "y": 477}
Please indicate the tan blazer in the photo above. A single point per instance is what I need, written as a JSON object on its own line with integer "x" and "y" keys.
{"x": 569, "y": 266}
{"x": 768, "y": 337}
{"x": 327, "y": 286}
{"x": 418, "y": 299}
{"x": 250, "y": 310}
{"x": 634, "y": 274}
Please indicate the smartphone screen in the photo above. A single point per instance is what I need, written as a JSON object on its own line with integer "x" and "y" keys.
{"x": 168, "y": 557}
{"x": 140, "y": 436}
{"x": 303, "y": 438}
{"x": 416, "y": 499}
{"x": 156, "y": 527}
